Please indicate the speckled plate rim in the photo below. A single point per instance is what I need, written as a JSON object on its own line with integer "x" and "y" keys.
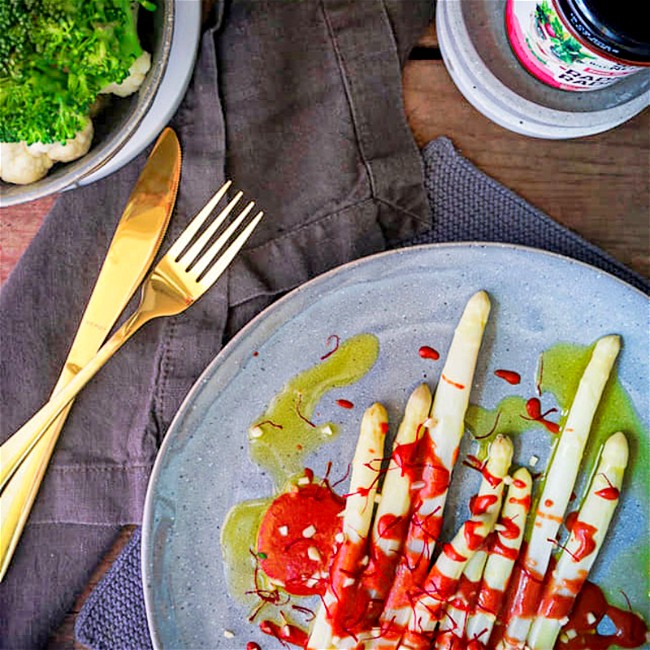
{"x": 312, "y": 285}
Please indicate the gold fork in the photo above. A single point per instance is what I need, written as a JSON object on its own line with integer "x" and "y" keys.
{"x": 190, "y": 267}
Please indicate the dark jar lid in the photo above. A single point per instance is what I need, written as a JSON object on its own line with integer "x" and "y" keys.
{"x": 618, "y": 29}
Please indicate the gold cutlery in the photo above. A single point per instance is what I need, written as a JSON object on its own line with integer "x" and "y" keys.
{"x": 190, "y": 267}
{"x": 134, "y": 245}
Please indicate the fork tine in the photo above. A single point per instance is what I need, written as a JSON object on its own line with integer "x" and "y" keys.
{"x": 222, "y": 263}
{"x": 194, "y": 226}
{"x": 223, "y": 239}
{"x": 187, "y": 258}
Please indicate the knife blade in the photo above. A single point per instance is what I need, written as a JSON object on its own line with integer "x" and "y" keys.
{"x": 132, "y": 250}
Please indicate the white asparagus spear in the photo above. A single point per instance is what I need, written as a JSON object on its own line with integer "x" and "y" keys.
{"x": 585, "y": 541}
{"x": 391, "y": 518}
{"x": 453, "y": 625}
{"x": 559, "y": 482}
{"x": 442, "y": 580}
{"x": 502, "y": 555}
{"x": 357, "y": 517}
{"x": 441, "y": 441}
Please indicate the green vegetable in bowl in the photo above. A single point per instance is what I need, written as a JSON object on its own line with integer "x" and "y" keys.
{"x": 56, "y": 57}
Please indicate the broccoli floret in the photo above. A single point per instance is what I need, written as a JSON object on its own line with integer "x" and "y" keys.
{"x": 55, "y": 57}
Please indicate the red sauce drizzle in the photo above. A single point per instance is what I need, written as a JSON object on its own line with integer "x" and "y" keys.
{"x": 510, "y": 529}
{"x": 479, "y": 504}
{"x": 510, "y": 376}
{"x": 251, "y": 645}
{"x": 449, "y": 641}
{"x": 473, "y": 462}
{"x": 275, "y": 425}
{"x": 519, "y": 484}
{"x": 570, "y": 520}
{"x": 526, "y": 592}
{"x": 455, "y": 384}
{"x": 347, "y": 612}
{"x": 489, "y": 599}
{"x": 427, "y": 352}
{"x": 391, "y": 526}
{"x": 558, "y": 605}
{"x": 492, "y": 430}
{"x": 434, "y": 473}
{"x": 439, "y": 586}
{"x": 524, "y": 501}
{"x": 412, "y": 569}
{"x": 285, "y": 633}
{"x": 584, "y": 533}
{"x": 452, "y": 553}
{"x": 630, "y": 629}
{"x": 345, "y": 403}
{"x": 466, "y": 594}
{"x": 472, "y": 538}
{"x": 610, "y": 493}
{"x": 505, "y": 551}
{"x": 333, "y": 340}
{"x": 405, "y": 456}
{"x": 378, "y": 576}
{"x": 534, "y": 410}
{"x": 300, "y": 414}
{"x": 490, "y": 478}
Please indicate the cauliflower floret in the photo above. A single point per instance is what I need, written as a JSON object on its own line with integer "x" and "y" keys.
{"x": 72, "y": 149}
{"x": 137, "y": 73}
{"x": 19, "y": 166}
{"x": 23, "y": 164}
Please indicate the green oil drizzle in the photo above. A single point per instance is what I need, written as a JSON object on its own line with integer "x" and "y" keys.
{"x": 287, "y": 432}
{"x": 507, "y": 418}
{"x": 238, "y": 538}
{"x": 562, "y": 368}
{"x": 288, "y": 435}
{"x": 559, "y": 373}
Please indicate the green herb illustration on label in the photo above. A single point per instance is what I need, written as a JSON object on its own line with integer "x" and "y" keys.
{"x": 564, "y": 46}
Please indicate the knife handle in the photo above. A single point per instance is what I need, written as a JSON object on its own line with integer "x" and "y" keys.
{"x": 18, "y": 497}
{"x": 15, "y": 450}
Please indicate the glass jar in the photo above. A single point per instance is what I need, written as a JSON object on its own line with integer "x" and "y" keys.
{"x": 579, "y": 45}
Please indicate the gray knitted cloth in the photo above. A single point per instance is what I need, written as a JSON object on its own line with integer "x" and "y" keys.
{"x": 467, "y": 205}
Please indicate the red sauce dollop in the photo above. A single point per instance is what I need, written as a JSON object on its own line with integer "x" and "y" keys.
{"x": 534, "y": 410}
{"x": 510, "y": 376}
{"x": 286, "y": 557}
{"x": 630, "y": 629}
{"x": 427, "y": 352}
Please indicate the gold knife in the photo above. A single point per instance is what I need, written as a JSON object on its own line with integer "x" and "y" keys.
{"x": 135, "y": 243}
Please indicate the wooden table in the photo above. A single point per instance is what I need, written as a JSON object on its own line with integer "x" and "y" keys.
{"x": 598, "y": 186}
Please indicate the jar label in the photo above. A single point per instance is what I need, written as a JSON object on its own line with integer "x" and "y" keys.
{"x": 548, "y": 50}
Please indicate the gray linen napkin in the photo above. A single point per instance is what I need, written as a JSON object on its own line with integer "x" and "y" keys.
{"x": 300, "y": 103}
{"x": 467, "y": 205}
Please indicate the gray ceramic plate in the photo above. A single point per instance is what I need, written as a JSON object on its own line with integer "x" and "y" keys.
{"x": 407, "y": 298}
